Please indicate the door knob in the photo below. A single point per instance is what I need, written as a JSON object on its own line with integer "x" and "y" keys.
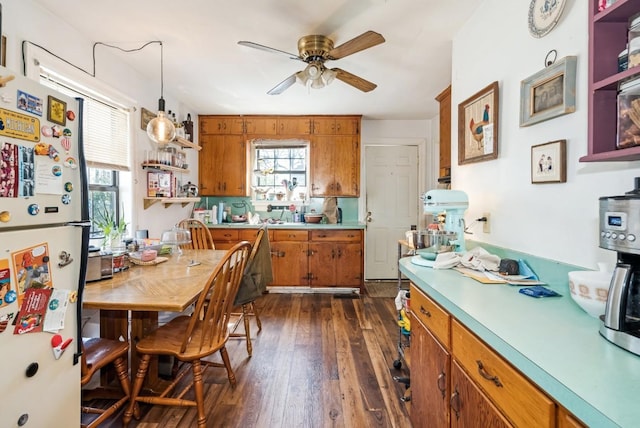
{"x": 369, "y": 217}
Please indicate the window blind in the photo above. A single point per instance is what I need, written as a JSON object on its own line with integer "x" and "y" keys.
{"x": 105, "y": 127}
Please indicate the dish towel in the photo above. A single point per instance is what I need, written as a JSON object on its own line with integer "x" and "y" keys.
{"x": 477, "y": 259}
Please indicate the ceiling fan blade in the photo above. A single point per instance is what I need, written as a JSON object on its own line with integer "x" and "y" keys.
{"x": 363, "y": 41}
{"x": 353, "y": 80}
{"x": 282, "y": 86}
{"x": 268, "y": 49}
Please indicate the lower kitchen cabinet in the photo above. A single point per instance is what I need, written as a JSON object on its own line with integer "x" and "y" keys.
{"x": 459, "y": 381}
{"x": 335, "y": 258}
{"x": 289, "y": 257}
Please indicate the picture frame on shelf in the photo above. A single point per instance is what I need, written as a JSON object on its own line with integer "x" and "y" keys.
{"x": 56, "y": 111}
{"x": 549, "y": 162}
{"x": 145, "y": 117}
{"x": 549, "y": 93}
{"x": 478, "y": 126}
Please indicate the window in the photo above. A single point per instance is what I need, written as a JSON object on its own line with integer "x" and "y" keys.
{"x": 280, "y": 168}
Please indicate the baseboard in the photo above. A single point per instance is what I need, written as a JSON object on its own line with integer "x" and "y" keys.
{"x": 314, "y": 290}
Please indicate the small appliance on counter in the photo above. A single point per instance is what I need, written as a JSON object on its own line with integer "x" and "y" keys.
{"x": 454, "y": 203}
{"x": 620, "y": 231}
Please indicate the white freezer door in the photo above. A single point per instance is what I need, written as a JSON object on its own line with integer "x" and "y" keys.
{"x": 51, "y": 396}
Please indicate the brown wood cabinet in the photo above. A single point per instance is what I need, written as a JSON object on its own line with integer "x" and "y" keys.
{"x": 336, "y": 258}
{"x": 223, "y": 165}
{"x": 335, "y": 166}
{"x": 444, "y": 98}
{"x": 289, "y": 257}
{"x": 221, "y": 125}
{"x": 336, "y": 125}
{"x": 480, "y": 386}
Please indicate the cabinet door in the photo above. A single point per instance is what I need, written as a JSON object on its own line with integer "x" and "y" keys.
{"x": 222, "y": 165}
{"x": 321, "y": 174}
{"x": 221, "y": 125}
{"x": 444, "y": 98}
{"x": 322, "y": 264}
{"x": 324, "y": 125}
{"x": 261, "y": 125}
{"x": 289, "y": 262}
{"x": 469, "y": 406}
{"x": 348, "y": 266}
{"x": 336, "y": 125}
{"x": 346, "y": 155}
{"x": 294, "y": 125}
{"x": 430, "y": 388}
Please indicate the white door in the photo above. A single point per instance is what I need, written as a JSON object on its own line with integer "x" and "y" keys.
{"x": 391, "y": 176}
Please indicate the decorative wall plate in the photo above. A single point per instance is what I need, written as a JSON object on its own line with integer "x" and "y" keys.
{"x": 544, "y": 15}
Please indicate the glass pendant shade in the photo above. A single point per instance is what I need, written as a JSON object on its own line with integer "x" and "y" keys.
{"x": 160, "y": 129}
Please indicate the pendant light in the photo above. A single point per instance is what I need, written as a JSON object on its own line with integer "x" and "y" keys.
{"x": 161, "y": 129}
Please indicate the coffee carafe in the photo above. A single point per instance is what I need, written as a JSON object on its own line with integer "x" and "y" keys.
{"x": 620, "y": 231}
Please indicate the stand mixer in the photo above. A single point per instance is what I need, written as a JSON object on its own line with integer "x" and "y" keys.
{"x": 454, "y": 203}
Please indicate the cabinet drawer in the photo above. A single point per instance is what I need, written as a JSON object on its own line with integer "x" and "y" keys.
{"x": 522, "y": 402}
{"x": 436, "y": 319}
{"x": 224, "y": 234}
{"x": 248, "y": 234}
{"x": 336, "y": 235}
{"x": 290, "y": 235}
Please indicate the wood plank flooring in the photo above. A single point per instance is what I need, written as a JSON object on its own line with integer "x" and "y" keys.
{"x": 319, "y": 361}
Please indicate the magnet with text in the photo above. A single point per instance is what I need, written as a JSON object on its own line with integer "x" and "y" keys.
{"x": 59, "y": 346}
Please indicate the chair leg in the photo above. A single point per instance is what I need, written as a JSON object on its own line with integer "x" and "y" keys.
{"x": 225, "y": 359}
{"x": 122, "y": 370}
{"x": 137, "y": 387}
{"x": 247, "y": 331}
{"x": 255, "y": 314}
{"x": 198, "y": 389}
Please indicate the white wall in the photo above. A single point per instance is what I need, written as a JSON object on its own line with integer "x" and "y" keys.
{"x": 26, "y": 20}
{"x": 557, "y": 221}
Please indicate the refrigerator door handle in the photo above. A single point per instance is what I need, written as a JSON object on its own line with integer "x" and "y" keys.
{"x": 80, "y": 223}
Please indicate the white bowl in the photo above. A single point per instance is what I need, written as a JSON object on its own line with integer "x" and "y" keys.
{"x": 590, "y": 289}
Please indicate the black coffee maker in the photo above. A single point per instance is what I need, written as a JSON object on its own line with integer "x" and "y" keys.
{"x": 620, "y": 231}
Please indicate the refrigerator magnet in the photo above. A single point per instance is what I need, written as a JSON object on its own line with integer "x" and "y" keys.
{"x": 71, "y": 162}
{"x": 4, "y": 321}
{"x": 66, "y": 144}
{"x": 66, "y": 199}
{"x": 33, "y": 209}
{"x": 68, "y": 186}
{"x": 66, "y": 132}
{"x": 71, "y": 115}
{"x": 46, "y": 131}
{"x": 56, "y": 170}
{"x": 59, "y": 346}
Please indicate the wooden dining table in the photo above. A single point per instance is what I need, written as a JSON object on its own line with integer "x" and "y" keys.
{"x": 129, "y": 302}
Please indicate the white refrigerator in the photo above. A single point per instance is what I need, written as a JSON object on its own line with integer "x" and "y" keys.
{"x": 44, "y": 237}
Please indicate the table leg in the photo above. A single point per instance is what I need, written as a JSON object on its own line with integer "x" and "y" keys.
{"x": 143, "y": 323}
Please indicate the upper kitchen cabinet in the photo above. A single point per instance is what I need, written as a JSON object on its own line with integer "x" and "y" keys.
{"x": 335, "y": 166}
{"x": 221, "y": 125}
{"x": 223, "y": 165}
{"x": 444, "y": 98}
{"x": 294, "y": 125}
{"x": 608, "y": 33}
{"x": 336, "y": 125}
{"x": 261, "y": 125}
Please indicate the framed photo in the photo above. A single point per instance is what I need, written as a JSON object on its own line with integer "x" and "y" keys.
{"x": 549, "y": 93}
{"x": 57, "y": 111}
{"x": 478, "y": 126}
{"x": 145, "y": 117}
{"x": 549, "y": 162}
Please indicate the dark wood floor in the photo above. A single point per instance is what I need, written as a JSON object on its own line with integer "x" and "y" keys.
{"x": 320, "y": 361}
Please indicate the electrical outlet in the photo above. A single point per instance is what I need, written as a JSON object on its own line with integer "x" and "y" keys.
{"x": 486, "y": 227}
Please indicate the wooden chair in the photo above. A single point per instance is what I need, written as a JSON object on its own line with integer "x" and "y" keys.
{"x": 98, "y": 353}
{"x": 191, "y": 338}
{"x": 200, "y": 235}
{"x": 252, "y": 286}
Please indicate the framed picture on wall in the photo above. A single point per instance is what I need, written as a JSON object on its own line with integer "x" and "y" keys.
{"x": 549, "y": 162}
{"x": 549, "y": 93}
{"x": 145, "y": 117}
{"x": 478, "y": 126}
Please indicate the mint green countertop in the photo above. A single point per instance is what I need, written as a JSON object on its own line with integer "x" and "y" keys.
{"x": 550, "y": 340}
{"x": 310, "y": 226}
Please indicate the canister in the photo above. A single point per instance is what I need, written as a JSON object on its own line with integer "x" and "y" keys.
{"x": 634, "y": 41}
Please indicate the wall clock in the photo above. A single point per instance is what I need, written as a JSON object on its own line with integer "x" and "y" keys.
{"x": 544, "y": 15}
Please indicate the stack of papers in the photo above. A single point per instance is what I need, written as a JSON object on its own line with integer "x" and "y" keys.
{"x": 487, "y": 277}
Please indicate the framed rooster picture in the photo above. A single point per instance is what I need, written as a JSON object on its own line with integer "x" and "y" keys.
{"x": 478, "y": 126}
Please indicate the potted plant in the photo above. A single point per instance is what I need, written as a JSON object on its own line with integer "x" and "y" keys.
{"x": 111, "y": 228}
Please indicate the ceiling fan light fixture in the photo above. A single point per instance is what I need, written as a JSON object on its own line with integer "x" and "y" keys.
{"x": 328, "y": 76}
{"x": 317, "y": 83}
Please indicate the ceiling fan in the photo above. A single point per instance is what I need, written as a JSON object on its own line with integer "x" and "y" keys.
{"x": 315, "y": 50}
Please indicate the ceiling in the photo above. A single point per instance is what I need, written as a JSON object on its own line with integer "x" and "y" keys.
{"x": 206, "y": 69}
